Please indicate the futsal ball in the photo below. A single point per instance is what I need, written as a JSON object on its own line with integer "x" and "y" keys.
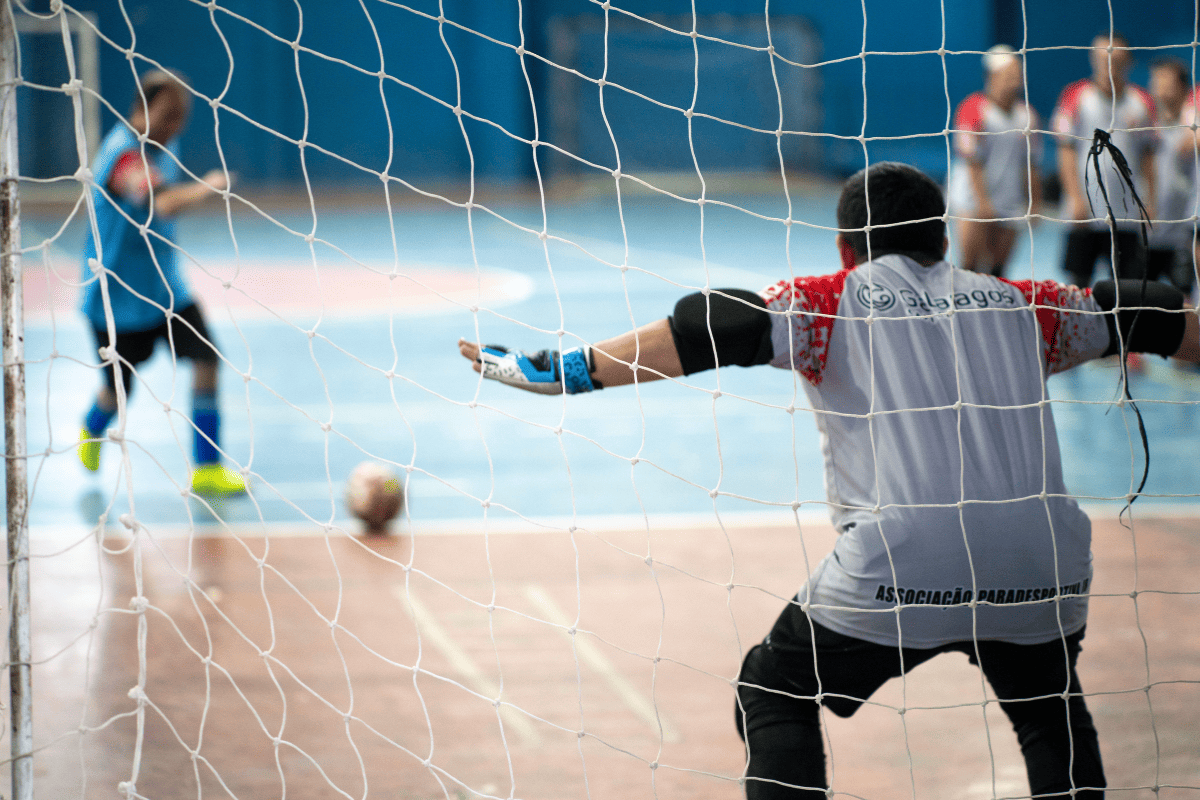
{"x": 374, "y": 495}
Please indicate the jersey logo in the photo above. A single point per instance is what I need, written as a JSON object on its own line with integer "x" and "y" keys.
{"x": 923, "y": 303}
{"x": 877, "y": 297}
{"x": 882, "y": 298}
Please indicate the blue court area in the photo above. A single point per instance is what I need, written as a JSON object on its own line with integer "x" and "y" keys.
{"x": 339, "y": 364}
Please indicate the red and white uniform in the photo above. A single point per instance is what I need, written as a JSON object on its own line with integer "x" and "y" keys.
{"x": 1176, "y": 182}
{"x": 1131, "y": 119}
{"x": 1006, "y": 143}
{"x": 942, "y": 466}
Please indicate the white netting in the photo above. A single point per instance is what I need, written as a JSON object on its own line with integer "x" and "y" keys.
{"x": 563, "y": 605}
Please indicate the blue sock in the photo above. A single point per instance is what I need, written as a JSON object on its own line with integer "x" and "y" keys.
{"x": 97, "y": 419}
{"x": 207, "y": 418}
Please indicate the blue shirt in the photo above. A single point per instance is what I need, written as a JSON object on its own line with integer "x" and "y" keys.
{"x": 148, "y": 265}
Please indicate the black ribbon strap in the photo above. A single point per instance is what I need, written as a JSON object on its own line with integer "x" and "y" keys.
{"x": 1101, "y": 143}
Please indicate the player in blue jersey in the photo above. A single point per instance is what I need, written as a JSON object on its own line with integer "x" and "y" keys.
{"x": 135, "y": 293}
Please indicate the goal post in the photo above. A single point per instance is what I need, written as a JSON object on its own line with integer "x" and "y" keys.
{"x": 17, "y": 609}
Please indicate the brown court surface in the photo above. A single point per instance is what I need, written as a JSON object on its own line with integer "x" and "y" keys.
{"x": 283, "y": 666}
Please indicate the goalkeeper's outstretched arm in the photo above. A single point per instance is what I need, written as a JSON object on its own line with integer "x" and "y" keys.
{"x": 608, "y": 363}
{"x": 731, "y": 327}
{"x": 726, "y": 327}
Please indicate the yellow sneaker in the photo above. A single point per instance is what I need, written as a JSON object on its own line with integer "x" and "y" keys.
{"x": 217, "y": 479}
{"x": 89, "y": 448}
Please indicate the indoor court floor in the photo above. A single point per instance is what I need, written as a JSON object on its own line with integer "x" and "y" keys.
{"x": 287, "y": 655}
{"x": 376, "y": 663}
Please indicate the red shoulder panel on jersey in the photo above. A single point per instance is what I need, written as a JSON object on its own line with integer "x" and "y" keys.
{"x": 1147, "y": 101}
{"x": 1071, "y": 96}
{"x": 130, "y": 177}
{"x": 969, "y": 116}
{"x": 1044, "y": 295}
{"x": 1188, "y": 115}
{"x": 1049, "y": 299}
{"x": 814, "y": 299}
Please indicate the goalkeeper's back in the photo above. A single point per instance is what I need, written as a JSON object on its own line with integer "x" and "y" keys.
{"x": 941, "y": 459}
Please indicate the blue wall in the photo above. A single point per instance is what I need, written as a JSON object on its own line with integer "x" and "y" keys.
{"x": 906, "y": 95}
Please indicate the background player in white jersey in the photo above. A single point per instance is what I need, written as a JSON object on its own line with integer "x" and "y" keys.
{"x": 995, "y": 179}
{"x": 1172, "y": 244}
{"x": 145, "y": 298}
{"x": 1110, "y": 102}
{"x": 942, "y": 467}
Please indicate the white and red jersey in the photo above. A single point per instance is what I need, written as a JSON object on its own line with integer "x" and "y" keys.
{"x": 1131, "y": 120}
{"x": 942, "y": 466}
{"x": 1006, "y": 143}
{"x": 1176, "y": 182}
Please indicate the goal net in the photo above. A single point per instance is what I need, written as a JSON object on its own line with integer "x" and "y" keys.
{"x": 564, "y": 601}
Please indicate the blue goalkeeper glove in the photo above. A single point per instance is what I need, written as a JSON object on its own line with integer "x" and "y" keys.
{"x": 544, "y": 372}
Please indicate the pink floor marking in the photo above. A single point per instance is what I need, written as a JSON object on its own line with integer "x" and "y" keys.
{"x": 259, "y": 289}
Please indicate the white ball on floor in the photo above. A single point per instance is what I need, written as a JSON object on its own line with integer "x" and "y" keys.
{"x": 374, "y": 495}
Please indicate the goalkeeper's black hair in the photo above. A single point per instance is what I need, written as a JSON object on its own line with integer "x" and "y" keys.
{"x": 898, "y": 193}
{"x": 1101, "y": 143}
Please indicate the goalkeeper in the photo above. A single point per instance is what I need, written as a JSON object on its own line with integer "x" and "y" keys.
{"x": 146, "y": 295}
{"x": 942, "y": 467}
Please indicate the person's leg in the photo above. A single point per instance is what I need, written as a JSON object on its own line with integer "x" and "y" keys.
{"x": 191, "y": 339}
{"x": 1160, "y": 263}
{"x": 1131, "y": 255}
{"x": 104, "y": 408}
{"x": 1183, "y": 274}
{"x": 133, "y": 348}
{"x": 785, "y": 753}
{"x": 1080, "y": 253}
{"x": 973, "y": 252}
{"x": 800, "y": 668}
{"x": 1056, "y": 734}
{"x": 1189, "y": 273}
{"x": 206, "y": 415}
{"x": 1001, "y": 238}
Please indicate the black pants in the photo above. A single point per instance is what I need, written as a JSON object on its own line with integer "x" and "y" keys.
{"x": 1176, "y": 266}
{"x": 186, "y": 333}
{"x": 778, "y": 714}
{"x": 1085, "y": 246}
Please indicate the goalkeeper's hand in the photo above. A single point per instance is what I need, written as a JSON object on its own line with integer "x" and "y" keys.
{"x": 542, "y": 372}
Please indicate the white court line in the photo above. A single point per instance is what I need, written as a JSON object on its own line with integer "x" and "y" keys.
{"x": 682, "y": 523}
{"x": 1010, "y": 782}
{"x": 590, "y": 655}
{"x": 466, "y": 526}
{"x": 436, "y": 635}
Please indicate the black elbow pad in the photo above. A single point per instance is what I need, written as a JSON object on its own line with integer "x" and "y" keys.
{"x": 1148, "y": 318}
{"x": 735, "y": 320}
